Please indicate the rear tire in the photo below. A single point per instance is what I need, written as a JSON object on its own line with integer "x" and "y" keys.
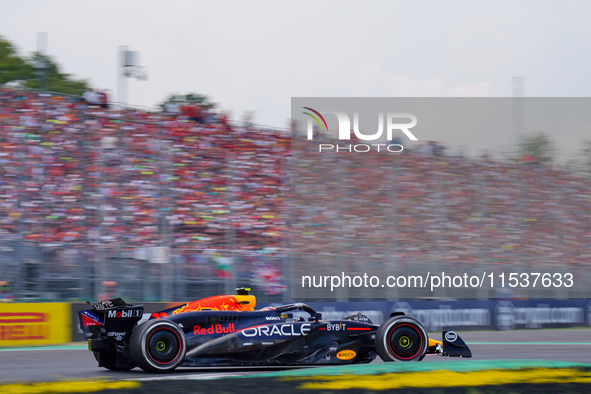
{"x": 401, "y": 338}
{"x": 158, "y": 346}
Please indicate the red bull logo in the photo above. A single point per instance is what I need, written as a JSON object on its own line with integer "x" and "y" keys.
{"x": 219, "y": 303}
{"x": 214, "y": 329}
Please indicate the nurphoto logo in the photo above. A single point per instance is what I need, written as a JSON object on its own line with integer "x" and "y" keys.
{"x": 395, "y": 121}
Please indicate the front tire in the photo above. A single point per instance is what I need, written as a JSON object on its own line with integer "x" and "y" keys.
{"x": 401, "y": 338}
{"x": 158, "y": 346}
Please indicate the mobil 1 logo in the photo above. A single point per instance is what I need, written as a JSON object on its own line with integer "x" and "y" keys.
{"x": 124, "y": 313}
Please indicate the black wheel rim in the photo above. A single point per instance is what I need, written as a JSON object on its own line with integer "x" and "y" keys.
{"x": 405, "y": 342}
{"x": 164, "y": 346}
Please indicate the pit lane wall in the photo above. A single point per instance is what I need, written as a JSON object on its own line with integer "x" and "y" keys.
{"x": 472, "y": 314}
{"x": 56, "y": 323}
{"x": 35, "y": 324}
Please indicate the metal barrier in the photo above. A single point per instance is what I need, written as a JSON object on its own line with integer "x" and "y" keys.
{"x": 62, "y": 272}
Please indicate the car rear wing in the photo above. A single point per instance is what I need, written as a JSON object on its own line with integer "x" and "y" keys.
{"x": 111, "y": 316}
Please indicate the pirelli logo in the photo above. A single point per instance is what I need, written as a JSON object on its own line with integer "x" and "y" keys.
{"x": 23, "y": 326}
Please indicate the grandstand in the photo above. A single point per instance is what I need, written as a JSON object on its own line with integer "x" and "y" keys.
{"x": 81, "y": 184}
{"x": 89, "y": 195}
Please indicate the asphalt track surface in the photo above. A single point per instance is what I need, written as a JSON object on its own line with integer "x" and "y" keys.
{"x": 76, "y": 362}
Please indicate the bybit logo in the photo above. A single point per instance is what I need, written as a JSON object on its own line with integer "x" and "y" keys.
{"x": 344, "y": 131}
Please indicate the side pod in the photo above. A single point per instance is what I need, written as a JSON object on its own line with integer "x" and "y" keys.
{"x": 454, "y": 346}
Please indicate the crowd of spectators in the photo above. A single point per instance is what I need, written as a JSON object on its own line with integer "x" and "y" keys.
{"x": 79, "y": 173}
{"x": 74, "y": 172}
{"x": 421, "y": 206}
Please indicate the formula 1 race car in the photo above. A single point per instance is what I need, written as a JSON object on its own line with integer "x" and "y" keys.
{"x": 227, "y": 331}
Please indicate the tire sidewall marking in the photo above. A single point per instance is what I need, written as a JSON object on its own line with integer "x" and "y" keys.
{"x": 390, "y": 331}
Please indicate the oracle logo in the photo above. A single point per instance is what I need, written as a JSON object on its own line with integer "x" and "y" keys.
{"x": 286, "y": 330}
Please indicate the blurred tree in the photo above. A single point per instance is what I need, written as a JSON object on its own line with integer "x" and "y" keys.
{"x": 189, "y": 98}
{"x": 12, "y": 67}
{"x": 49, "y": 77}
{"x": 38, "y": 71}
{"x": 539, "y": 147}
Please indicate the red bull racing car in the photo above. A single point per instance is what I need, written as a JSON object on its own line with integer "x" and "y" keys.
{"x": 228, "y": 331}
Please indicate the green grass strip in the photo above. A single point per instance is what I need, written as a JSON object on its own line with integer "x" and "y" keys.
{"x": 462, "y": 365}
